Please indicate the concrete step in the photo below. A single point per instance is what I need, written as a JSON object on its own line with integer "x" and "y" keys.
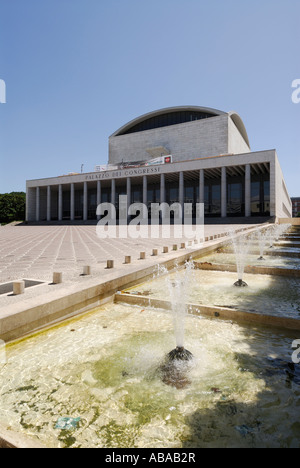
{"x": 288, "y": 245}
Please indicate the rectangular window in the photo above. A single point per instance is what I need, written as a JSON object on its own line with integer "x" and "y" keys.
{"x": 212, "y": 198}
{"x": 266, "y": 201}
{"x": 137, "y": 194}
{"x": 66, "y": 205}
{"x": 92, "y": 203}
{"x": 260, "y": 195}
{"x": 215, "y": 207}
{"x": 206, "y": 199}
{"x": 172, "y": 195}
{"x": 153, "y": 195}
{"x": 189, "y": 195}
{"x": 235, "y": 199}
{"x": 255, "y": 198}
{"x": 78, "y": 204}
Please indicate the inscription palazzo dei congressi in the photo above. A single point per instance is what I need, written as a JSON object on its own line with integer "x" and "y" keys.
{"x": 123, "y": 173}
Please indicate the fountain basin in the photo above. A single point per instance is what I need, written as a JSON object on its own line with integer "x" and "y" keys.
{"x": 221, "y": 313}
{"x": 251, "y": 269}
{"x": 104, "y": 371}
{"x": 251, "y": 260}
{"x": 265, "y": 295}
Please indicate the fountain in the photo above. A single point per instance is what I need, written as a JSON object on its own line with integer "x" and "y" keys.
{"x": 180, "y": 354}
{"x": 175, "y": 364}
{"x": 174, "y": 369}
{"x": 241, "y": 246}
{"x": 270, "y": 235}
{"x": 280, "y": 230}
{"x": 275, "y": 232}
{"x": 179, "y": 289}
{"x": 105, "y": 373}
{"x": 262, "y": 241}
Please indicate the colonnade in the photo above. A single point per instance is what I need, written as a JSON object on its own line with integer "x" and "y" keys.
{"x": 144, "y": 181}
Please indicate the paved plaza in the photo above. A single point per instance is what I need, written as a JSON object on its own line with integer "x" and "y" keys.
{"x": 35, "y": 252}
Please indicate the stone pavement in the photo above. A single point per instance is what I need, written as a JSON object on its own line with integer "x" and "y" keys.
{"x": 35, "y": 252}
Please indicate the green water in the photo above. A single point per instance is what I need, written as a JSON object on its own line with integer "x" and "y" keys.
{"x": 266, "y": 294}
{"x": 105, "y": 369}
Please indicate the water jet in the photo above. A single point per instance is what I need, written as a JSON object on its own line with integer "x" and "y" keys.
{"x": 240, "y": 284}
{"x": 175, "y": 367}
{"x": 179, "y": 354}
{"x": 241, "y": 246}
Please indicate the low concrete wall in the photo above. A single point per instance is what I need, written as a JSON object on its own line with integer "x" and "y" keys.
{"x": 284, "y": 253}
{"x": 292, "y": 221}
{"x": 215, "y": 312}
{"x": 256, "y": 270}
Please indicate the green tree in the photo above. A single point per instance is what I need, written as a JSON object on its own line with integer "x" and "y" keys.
{"x": 12, "y": 207}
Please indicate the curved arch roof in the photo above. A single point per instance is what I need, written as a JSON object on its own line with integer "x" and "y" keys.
{"x": 176, "y": 115}
{"x": 235, "y": 117}
{"x": 161, "y": 112}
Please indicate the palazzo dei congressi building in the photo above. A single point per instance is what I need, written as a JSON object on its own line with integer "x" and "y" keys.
{"x": 181, "y": 154}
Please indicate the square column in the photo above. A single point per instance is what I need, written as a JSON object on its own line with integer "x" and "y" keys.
{"x": 37, "y": 204}
{"x": 60, "y": 203}
{"x": 248, "y": 190}
{"x": 181, "y": 193}
{"x": 162, "y": 188}
{"x": 128, "y": 193}
{"x": 48, "y": 203}
{"x": 113, "y": 192}
{"x": 98, "y": 196}
{"x": 273, "y": 201}
{"x": 145, "y": 197}
{"x": 85, "y": 201}
{"x": 201, "y": 186}
{"x": 72, "y": 203}
{"x": 162, "y": 195}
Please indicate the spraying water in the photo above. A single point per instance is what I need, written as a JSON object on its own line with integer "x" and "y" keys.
{"x": 241, "y": 245}
{"x": 270, "y": 235}
{"x": 175, "y": 365}
{"x": 262, "y": 237}
{"x": 178, "y": 286}
{"x": 179, "y": 295}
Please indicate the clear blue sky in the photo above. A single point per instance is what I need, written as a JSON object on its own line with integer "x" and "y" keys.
{"x": 77, "y": 70}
